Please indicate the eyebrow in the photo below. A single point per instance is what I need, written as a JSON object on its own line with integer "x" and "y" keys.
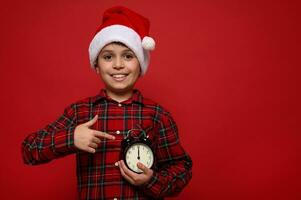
{"x": 110, "y": 51}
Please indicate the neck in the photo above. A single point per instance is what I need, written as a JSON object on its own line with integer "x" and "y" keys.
{"x": 120, "y": 96}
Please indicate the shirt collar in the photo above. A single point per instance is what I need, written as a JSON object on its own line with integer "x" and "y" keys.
{"x": 102, "y": 96}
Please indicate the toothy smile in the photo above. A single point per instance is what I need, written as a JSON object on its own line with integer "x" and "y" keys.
{"x": 119, "y": 77}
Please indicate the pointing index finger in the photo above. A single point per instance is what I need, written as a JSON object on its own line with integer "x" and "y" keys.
{"x": 104, "y": 135}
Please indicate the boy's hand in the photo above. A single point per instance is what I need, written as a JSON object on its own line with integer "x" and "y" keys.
{"x": 87, "y": 139}
{"x": 134, "y": 178}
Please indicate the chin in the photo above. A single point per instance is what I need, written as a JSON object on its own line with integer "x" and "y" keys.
{"x": 121, "y": 90}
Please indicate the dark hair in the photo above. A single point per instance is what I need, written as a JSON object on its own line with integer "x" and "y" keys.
{"x": 119, "y": 43}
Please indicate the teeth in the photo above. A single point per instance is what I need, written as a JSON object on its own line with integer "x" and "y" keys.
{"x": 119, "y": 75}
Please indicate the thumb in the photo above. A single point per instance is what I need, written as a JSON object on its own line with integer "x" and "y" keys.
{"x": 143, "y": 168}
{"x": 91, "y": 122}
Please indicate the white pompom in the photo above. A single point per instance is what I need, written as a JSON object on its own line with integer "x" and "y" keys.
{"x": 148, "y": 43}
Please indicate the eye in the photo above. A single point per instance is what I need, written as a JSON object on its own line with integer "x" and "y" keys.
{"x": 107, "y": 57}
{"x": 128, "y": 56}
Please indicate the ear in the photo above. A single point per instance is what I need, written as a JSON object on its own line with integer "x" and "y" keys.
{"x": 97, "y": 69}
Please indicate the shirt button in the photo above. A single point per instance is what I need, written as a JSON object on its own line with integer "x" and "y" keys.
{"x": 116, "y": 164}
{"x": 119, "y": 104}
{"x": 117, "y": 132}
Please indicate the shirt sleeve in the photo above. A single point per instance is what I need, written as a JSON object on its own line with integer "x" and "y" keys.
{"x": 54, "y": 141}
{"x": 174, "y": 165}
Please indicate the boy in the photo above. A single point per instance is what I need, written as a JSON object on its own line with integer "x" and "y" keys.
{"x": 95, "y": 127}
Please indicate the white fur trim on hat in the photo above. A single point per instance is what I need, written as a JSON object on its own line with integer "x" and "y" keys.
{"x": 123, "y": 34}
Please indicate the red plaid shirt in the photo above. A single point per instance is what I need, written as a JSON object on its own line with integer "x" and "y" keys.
{"x": 98, "y": 176}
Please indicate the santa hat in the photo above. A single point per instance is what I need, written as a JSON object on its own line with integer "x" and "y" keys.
{"x": 120, "y": 24}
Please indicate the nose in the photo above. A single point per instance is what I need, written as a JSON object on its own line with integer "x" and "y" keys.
{"x": 118, "y": 63}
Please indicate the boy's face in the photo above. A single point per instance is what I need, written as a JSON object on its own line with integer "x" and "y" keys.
{"x": 118, "y": 67}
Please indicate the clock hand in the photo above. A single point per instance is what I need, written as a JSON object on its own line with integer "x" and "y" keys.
{"x": 138, "y": 152}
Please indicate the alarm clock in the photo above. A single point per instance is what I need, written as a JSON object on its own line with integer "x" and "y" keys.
{"x": 137, "y": 149}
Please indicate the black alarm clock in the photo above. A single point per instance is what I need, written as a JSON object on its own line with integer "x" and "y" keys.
{"x": 137, "y": 148}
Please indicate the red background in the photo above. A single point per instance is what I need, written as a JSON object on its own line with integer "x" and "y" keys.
{"x": 227, "y": 71}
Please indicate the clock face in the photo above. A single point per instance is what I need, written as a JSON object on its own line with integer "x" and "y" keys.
{"x": 139, "y": 152}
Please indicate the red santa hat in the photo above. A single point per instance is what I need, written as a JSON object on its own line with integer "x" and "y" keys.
{"x": 120, "y": 24}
